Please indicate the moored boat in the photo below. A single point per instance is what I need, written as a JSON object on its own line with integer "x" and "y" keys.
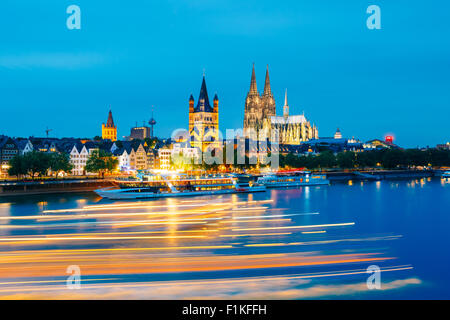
{"x": 148, "y": 185}
{"x": 293, "y": 179}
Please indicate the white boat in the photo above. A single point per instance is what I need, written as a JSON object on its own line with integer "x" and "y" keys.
{"x": 293, "y": 179}
{"x": 446, "y": 174}
{"x": 146, "y": 186}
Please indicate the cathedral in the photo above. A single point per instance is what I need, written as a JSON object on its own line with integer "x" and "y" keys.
{"x": 258, "y": 108}
{"x": 204, "y": 121}
{"x": 261, "y": 121}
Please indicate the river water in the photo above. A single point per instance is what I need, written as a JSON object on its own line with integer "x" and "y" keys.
{"x": 310, "y": 242}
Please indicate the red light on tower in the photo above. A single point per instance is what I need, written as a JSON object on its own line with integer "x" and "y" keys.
{"x": 389, "y": 139}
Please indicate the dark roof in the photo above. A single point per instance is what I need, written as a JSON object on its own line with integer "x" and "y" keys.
{"x": 127, "y": 146}
{"x": 21, "y": 143}
{"x": 91, "y": 145}
{"x": 326, "y": 141}
{"x": 110, "y": 122}
{"x": 3, "y": 140}
{"x": 203, "y": 100}
{"x": 105, "y": 145}
{"x": 65, "y": 147}
{"x": 118, "y": 151}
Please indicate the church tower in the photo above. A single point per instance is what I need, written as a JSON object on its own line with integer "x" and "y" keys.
{"x": 252, "y": 109}
{"x": 268, "y": 101}
{"x": 109, "y": 131}
{"x": 204, "y": 120}
{"x": 258, "y": 108}
{"x": 286, "y": 106}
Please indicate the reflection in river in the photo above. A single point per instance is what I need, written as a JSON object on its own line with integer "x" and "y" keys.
{"x": 311, "y": 242}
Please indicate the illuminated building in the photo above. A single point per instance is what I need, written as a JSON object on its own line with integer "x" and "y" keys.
{"x": 143, "y": 132}
{"x": 338, "y": 134}
{"x": 204, "y": 121}
{"x": 164, "y": 155}
{"x": 292, "y": 130}
{"x": 389, "y": 139}
{"x": 79, "y": 155}
{"x": 332, "y": 144}
{"x": 140, "y": 133}
{"x": 141, "y": 158}
{"x": 109, "y": 131}
{"x": 123, "y": 157}
{"x": 444, "y": 146}
{"x": 134, "y": 156}
{"x": 8, "y": 150}
{"x": 379, "y": 144}
{"x": 261, "y": 121}
{"x": 24, "y": 145}
{"x": 151, "y": 158}
{"x": 258, "y": 108}
{"x": 191, "y": 154}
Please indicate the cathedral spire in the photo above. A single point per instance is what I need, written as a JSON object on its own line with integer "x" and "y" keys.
{"x": 203, "y": 100}
{"x": 110, "y": 122}
{"x": 286, "y": 106}
{"x": 267, "y": 90}
{"x": 253, "y": 88}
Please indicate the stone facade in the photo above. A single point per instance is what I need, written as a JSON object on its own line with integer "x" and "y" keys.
{"x": 109, "y": 131}
{"x": 204, "y": 121}
{"x": 258, "y": 108}
{"x": 261, "y": 121}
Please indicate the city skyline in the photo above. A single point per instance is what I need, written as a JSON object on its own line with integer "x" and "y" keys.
{"x": 369, "y": 83}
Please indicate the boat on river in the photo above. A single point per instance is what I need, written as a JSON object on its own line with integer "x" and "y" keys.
{"x": 293, "y": 179}
{"x": 149, "y": 185}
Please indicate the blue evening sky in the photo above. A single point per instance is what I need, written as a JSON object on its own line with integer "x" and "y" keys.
{"x": 131, "y": 55}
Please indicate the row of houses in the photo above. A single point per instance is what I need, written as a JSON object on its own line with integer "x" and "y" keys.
{"x": 131, "y": 155}
{"x": 137, "y": 155}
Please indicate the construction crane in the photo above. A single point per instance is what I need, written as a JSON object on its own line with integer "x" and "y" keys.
{"x": 48, "y": 131}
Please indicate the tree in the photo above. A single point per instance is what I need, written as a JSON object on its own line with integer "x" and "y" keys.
{"x": 439, "y": 157}
{"x": 416, "y": 157}
{"x": 36, "y": 163}
{"x": 60, "y": 162}
{"x": 290, "y": 160}
{"x": 97, "y": 138}
{"x": 346, "y": 159}
{"x": 365, "y": 159}
{"x": 151, "y": 142}
{"x": 393, "y": 158}
{"x": 326, "y": 159}
{"x": 30, "y": 163}
{"x": 101, "y": 161}
{"x": 17, "y": 167}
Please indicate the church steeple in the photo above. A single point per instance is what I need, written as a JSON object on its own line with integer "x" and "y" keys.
{"x": 110, "y": 122}
{"x": 253, "y": 88}
{"x": 109, "y": 130}
{"x": 286, "y": 106}
{"x": 267, "y": 90}
{"x": 203, "y": 100}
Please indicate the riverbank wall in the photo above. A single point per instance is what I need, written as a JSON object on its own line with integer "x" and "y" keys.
{"x": 380, "y": 175}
